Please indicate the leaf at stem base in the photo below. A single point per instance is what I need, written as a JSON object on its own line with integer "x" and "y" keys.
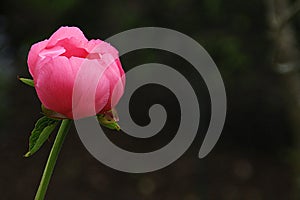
{"x": 43, "y": 128}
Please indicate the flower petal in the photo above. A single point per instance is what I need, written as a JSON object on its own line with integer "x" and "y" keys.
{"x": 54, "y": 85}
{"x": 33, "y": 55}
{"x": 91, "y": 88}
{"x": 67, "y": 32}
{"x": 101, "y": 47}
{"x": 52, "y": 52}
{"x": 73, "y": 47}
{"x": 115, "y": 74}
{"x": 109, "y": 57}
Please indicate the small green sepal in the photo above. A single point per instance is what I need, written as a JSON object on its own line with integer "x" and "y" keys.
{"x": 109, "y": 119}
{"x": 52, "y": 114}
{"x": 27, "y": 81}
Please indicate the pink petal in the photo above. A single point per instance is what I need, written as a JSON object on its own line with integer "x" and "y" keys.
{"x": 33, "y": 55}
{"x": 52, "y": 52}
{"x": 115, "y": 74}
{"x": 54, "y": 85}
{"x": 101, "y": 47}
{"x": 73, "y": 47}
{"x": 91, "y": 89}
{"x": 67, "y": 32}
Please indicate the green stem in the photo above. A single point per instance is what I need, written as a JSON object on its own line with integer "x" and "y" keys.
{"x": 62, "y": 132}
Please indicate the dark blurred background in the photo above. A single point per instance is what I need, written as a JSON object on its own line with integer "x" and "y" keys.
{"x": 255, "y": 46}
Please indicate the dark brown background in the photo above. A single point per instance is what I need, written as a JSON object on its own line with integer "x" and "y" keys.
{"x": 256, "y": 157}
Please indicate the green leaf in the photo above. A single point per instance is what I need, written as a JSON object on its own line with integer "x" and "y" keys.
{"x": 27, "y": 81}
{"x": 43, "y": 128}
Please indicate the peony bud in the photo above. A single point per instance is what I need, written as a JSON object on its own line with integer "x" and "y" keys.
{"x": 55, "y": 63}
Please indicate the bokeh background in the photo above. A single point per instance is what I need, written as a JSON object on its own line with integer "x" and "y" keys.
{"x": 255, "y": 45}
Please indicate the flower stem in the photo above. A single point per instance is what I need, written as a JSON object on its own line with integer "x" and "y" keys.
{"x": 62, "y": 132}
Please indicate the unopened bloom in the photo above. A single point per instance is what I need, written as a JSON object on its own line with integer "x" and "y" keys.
{"x": 76, "y": 77}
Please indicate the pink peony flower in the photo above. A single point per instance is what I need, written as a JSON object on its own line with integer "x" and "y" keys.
{"x": 76, "y": 77}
